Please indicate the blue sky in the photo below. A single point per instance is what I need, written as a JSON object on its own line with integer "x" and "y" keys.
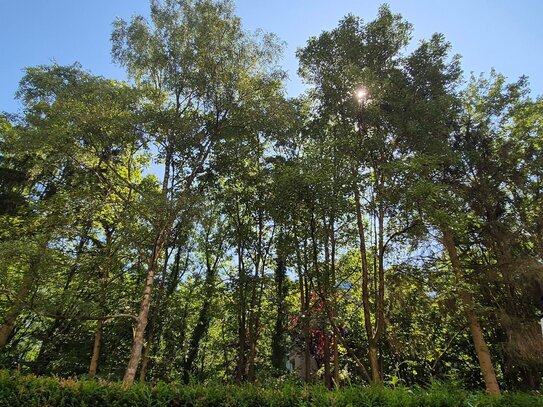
{"x": 502, "y": 34}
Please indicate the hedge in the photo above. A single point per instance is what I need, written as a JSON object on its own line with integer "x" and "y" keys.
{"x": 27, "y": 390}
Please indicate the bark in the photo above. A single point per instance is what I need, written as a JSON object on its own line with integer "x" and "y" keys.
{"x": 252, "y": 355}
{"x": 481, "y": 348}
{"x": 278, "y": 356}
{"x": 380, "y": 311}
{"x": 307, "y": 332}
{"x": 252, "y": 331}
{"x": 334, "y": 302}
{"x": 258, "y": 293}
{"x": 327, "y": 288}
{"x": 93, "y": 368}
{"x": 327, "y": 372}
{"x": 336, "y": 360}
{"x": 323, "y": 287}
{"x": 255, "y": 302}
{"x": 241, "y": 368}
{"x": 145, "y": 304}
{"x": 145, "y": 359}
{"x": 161, "y": 239}
{"x": 373, "y": 354}
{"x": 372, "y": 343}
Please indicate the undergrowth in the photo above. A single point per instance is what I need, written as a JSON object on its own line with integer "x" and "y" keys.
{"x": 27, "y": 390}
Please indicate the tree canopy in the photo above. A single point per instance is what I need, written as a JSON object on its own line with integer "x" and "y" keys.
{"x": 195, "y": 223}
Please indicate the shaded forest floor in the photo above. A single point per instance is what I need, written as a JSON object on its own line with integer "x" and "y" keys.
{"x": 28, "y": 390}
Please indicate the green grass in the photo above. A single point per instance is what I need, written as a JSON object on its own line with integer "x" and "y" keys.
{"x": 19, "y": 390}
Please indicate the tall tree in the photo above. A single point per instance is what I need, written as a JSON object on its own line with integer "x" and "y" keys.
{"x": 201, "y": 69}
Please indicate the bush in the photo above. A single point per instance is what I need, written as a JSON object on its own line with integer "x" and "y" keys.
{"x": 18, "y": 390}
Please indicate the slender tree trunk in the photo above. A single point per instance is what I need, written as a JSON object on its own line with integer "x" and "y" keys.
{"x": 380, "y": 309}
{"x": 145, "y": 304}
{"x": 327, "y": 373}
{"x": 242, "y": 362}
{"x": 145, "y": 359}
{"x": 372, "y": 345}
{"x": 481, "y": 348}
{"x": 307, "y": 332}
{"x": 256, "y": 297}
{"x": 334, "y": 295}
{"x": 326, "y": 290}
{"x": 373, "y": 354}
{"x": 255, "y": 334}
{"x": 251, "y": 358}
{"x": 278, "y": 338}
{"x": 93, "y": 368}
{"x": 305, "y": 311}
{"x": 336, "y": 359}
{"x": 137, "y": 346}
{"x": 158, "y": 247}
{"x": 252, "y": 331}
{"x": 331, "y": 291}
{"x": 242, "y": 323}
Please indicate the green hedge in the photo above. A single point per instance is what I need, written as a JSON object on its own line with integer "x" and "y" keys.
{"x": 19, "y": 390}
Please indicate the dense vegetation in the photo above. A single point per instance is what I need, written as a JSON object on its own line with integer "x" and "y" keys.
{"x": 30, "y": 391}
{"x": 196, "y": 224}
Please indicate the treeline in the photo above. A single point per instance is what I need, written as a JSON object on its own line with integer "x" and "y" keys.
{"x": 197, "y": 224}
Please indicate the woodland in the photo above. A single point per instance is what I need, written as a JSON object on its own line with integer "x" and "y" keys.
{"x": 197, "y": 225}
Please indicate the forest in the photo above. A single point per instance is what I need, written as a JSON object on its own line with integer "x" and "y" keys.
{"x": 197, "y": 225}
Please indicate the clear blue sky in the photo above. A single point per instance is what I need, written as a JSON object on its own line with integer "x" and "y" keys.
{"x": 502, "y": 34}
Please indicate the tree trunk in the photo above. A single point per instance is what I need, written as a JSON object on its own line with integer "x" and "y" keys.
{"x": 143, "y": 315}
{"x": 373, "y": 355}
{"x": 336, "y": 360}
{"x": 278, "y": 355}
{"x": 145, "y": 359}
{"x": 158, "y": 246}
{"x": 481, "y": 348}
{"x": 93, "y": 368}
{"x": 372, "y": 345}
{"x": 252, "y": 331}
{"x": 307, "y": 333}
{"x": 162, "y": 236}
{"x": 334, "y": 296}
{"x": 255, "y": 332}
{"x": 256, "y": 296}
{"x": 327, "y": 372}
{"x": 241, "y": 368}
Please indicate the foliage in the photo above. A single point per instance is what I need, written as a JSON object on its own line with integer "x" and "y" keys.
{"x": 198, "y": 226}
{"x": 18, "y": 390}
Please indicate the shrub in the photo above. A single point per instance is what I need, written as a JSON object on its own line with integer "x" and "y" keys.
{"x": 18, "y": 390}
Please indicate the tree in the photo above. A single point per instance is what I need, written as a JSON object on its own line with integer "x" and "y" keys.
{"x": 72, "y": 146}
{"x": 202, "y": 70}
